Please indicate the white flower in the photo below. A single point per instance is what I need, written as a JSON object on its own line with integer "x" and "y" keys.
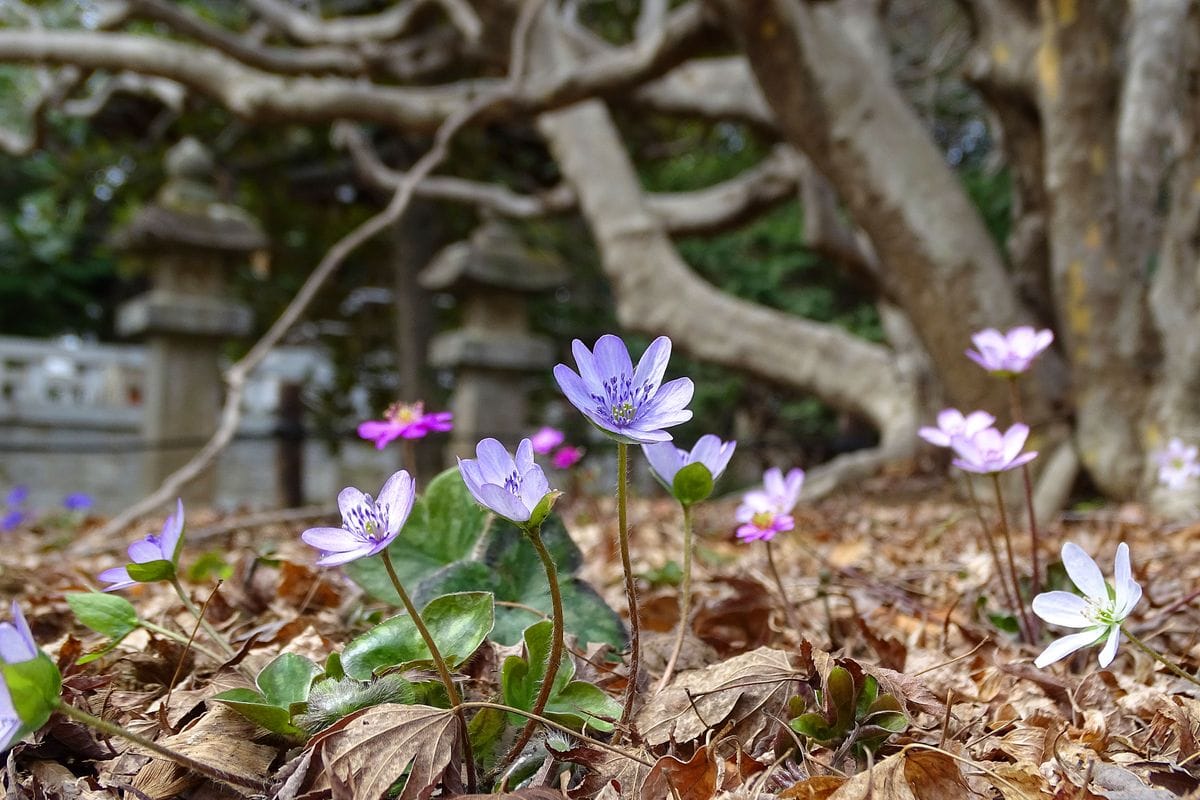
{"x": 1099, "y": 612}
{"x": 1177, "y": 464}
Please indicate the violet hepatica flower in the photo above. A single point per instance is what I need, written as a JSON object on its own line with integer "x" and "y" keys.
{"x": 1099, "y": 612}
{"x": 546, "y": 439}
{"x": 990, "y": 451}
{"x": 77, "y": 501}
{"x": 1177, "y": 464}
{"x": 36, "y": 678}
{"x": 666, "y": 460}
{"x": 404, "y": 421}
{"x": 767, "y": 511}
{"x": 630, "y": 405}
{"x": 566, "y": 456}
{"x": 368, "y": 524}
{"x": 952, "y": 423}
{"x": 513, "y": 487}
{"x": 160, "y": 549}
{"x": 1009, "y": 354}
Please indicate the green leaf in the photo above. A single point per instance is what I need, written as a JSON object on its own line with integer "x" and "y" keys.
{"x": 814, "y": 726}
{"x": 34, "y": 687}
{"x": 106, "y": 614}
{"x": 887, "y": 713}
{"x": 443, "y": 527}
{"x": 151, "y": 571}
{"x": 457, "y": 622}
{"x": 287, "y": 679}
{"x": 486, "y": 731}
{"x": 581, "y": 701}
{"x": 333, "y": 667}
{"x": 866, "y": 696}
{"x": 839, "y": 688}
{"x": 693, "y": 483}
{"x": 254, "y": 707}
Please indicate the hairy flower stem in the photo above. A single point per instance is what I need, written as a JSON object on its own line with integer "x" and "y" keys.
{"x": 217, "y": 638}
{"x": 1014, "y": 394}
{"x": 1009, "y": 602}
{"x": 685, "y": 598}
{"x": 1012, "y": 566}
{"x": 439, "y": 662}
{"x": 635, "y": 639}
{"x": 112, "y": 729}
{"x": 1157, "y": 656}
{"x": 787, "y": 604}
{"x": 556, "y": 648}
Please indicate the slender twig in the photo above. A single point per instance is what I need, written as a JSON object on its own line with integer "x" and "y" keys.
{"x": 112, "y": 729}
{"x": 439, "y": 662}
{"x": 1012, "y": 566}
{"x": 635, "y": 643}
{"x": 986, "y": 532}
{"x": 212, "y": 632}
{"x": 549, "y": 723}
{"x": 1150, "y": 651}
{"x": 1014, "y": 394}
{"x": 783, "y": 595}
{"x": 556, "y": 647}
{"x": 685, "y": 599}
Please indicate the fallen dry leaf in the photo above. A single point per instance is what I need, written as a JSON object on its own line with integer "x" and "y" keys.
{"x": 908, "y": 775}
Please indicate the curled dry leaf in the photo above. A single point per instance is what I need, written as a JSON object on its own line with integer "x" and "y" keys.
{"x": 361, "y": 756}
{"x": 699, "y": 778}
{"x": 908, "y": 775}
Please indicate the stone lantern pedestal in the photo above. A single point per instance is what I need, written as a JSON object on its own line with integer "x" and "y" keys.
{"x": 493, "y": 354}
{"x": 188, "y": 243}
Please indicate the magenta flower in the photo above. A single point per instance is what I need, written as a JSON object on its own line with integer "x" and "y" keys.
{"x": 160, "y": 548}
{"x": 952, "y": 423}
{"x": 1177, "y": 464}
{"x": 368, "y": 525}
{"x": 566, "y": 456}
{"x": 513, "y": 488}
{"x": 767, "y": 511}
{"x": 630, "y": 405}
{"x": 546, "y": 439}
{"x": 989, "y": 451}
{"x": 1009, "y": 354}
{"x": 404, "y": 421}
{"x": 666, "y": 459}
{"x": 1100, "y": 612}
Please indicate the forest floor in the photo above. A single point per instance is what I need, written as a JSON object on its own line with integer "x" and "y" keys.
{"x": 892, "y": 581}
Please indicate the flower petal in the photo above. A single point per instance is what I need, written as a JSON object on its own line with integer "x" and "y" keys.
{"x": 331, "y": 540}
{"x": 495, "y": 463}
{"x": 977, "y": 421}
{"x": 172, "y": 532}
{"x": 792, "y": 486}
{"x": 669, "y": 401}
{"x": 773, "y": 482}
{"x": 1061, "y": 648}
{"x": 471, "y": 475}
{"x": 524, "y": 457}
{"x": 1014, "y": 440}
{"x": 612, "y": 358}
{"x": 534, "y": 487}
{"x": 934, "y": 436}
{"x": 379, "y": 431}
{"x": 1109, "y": 651}
{"x": 652, "y": 365}
{"x": 586, "y": 363}
{"x": 144, "y": 550}
{"x": 665, "y": 460}
{"x": 1127, "y": 591}
{"x": 351, "y": 502}
{"x": 118, "y": 577}
{"x": 503, "y": 503}
{"x": 1084, "y": 573}
{"x": 395, "y": 501}
{"x": 345, "y": 557}
{"x": 1063, "y": 608}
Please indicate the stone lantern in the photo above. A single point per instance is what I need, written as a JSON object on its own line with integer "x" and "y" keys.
{"x": 188, "y": 243}
{"x": 494, "y": 354}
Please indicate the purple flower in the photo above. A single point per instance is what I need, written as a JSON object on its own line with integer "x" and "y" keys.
{"x": 1177, "y": 464}
{"x": 164, "y": 546}
{"x": 546, "y": 439}
{"x": 631, "y": 405}
{"x": 566, "y": 456}
{"x": 951, "y": 423}
{"x": 1009, "y": 354}
{"x": 513, "y": 488}
{"x": 666, "y": 459}
{"x": 17, "y": 495}
{"x": 368, "y": 526}
{"x": 767, "y": 511}
{"x": 1099, "y": 612}
{"x": 404, "y": 421}
{"x": 16, "y": 646}
{"x": 11, "y": 520}
{"x": 989, "y": 451}
{"x": 77, "y": 501}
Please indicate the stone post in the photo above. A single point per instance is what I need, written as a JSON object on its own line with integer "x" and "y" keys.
{"x": 188, "y": 244}
{"x": 494, "y": 353}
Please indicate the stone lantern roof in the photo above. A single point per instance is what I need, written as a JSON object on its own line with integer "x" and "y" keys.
{"x": 494, "y": 257}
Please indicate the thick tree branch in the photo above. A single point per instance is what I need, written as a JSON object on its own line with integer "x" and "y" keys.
{"x": 713, "y": 88}
{"x": 384, "y": 26}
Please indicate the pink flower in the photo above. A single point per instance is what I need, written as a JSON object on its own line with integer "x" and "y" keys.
{"x": 1177, "y": 464}
{"x": 404, "y": 420}
{"x": 951, "y": 423}
{"x": 990, "y": 451}
{"x": 566, "y": 457}
{"x": 767, "y": 511}
{"x": 546, "y": 440}
{"x": 1009, "y": 354}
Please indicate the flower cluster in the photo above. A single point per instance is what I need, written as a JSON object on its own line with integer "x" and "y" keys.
{"x": 978, "y": 447}
{"x": 550, "y": 441}
{"x": 15, "y": 510}
{"x": 767, "y": 511}
{"x": 404, "y": 421}
{"x": 1178, "y": 464}
{"x": 1009, "y": 354}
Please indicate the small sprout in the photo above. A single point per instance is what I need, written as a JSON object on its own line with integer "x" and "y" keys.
{"x": 854, "y": 716}
{"x": 330, "y": 700}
